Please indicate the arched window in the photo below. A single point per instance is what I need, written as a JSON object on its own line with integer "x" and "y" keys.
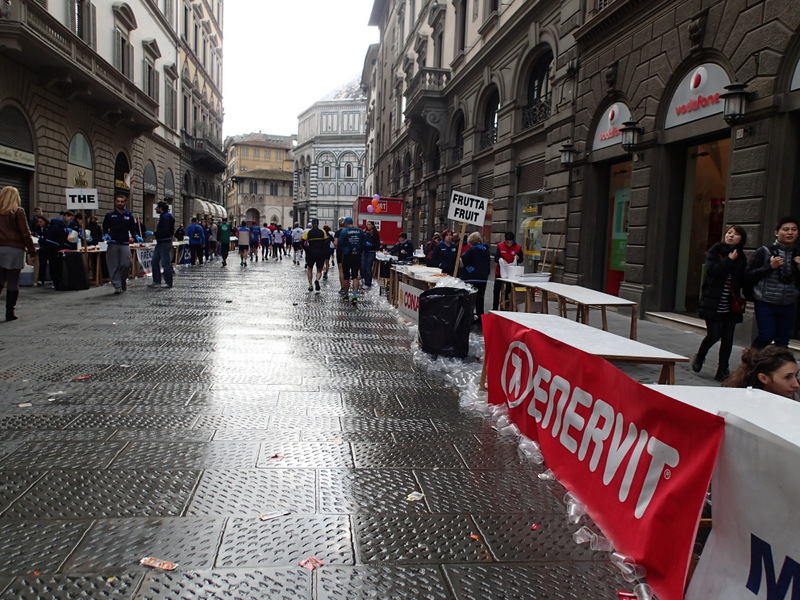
{"x": 79, "y": 163}
{"x": 540, "y": 92}
{"x": 348, "y": 170}
{"x": 489, "y": 133}
{"x": 458, "y": 139}
{"x": 406, "y": 170}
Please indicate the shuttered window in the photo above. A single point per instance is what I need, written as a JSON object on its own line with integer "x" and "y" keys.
{"x": 486, "y": 186}
{"x": 531, "y": 177}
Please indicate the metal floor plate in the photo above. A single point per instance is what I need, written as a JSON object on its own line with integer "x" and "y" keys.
{"x": 120, "y": 586}
{"x": 120, "y": 543}
{"x": 252, "y": 492}
{"x": 369, "y": 583}
{"x": 285, "y": 541}
{"x": 271, "y": 584}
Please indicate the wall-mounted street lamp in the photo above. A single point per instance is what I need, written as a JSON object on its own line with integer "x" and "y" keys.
{"x": 735, "y": 101}
{"x": 629, "y": 136}
{"x": 568, "y": 154}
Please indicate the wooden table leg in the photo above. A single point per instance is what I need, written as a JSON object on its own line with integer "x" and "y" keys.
{"x": 634, "y": 321}
{"x": 483, "y": 374}
{"x": 667, "y": 375}
{"x": 545, "y": 302}
{"x": 513, "y": 297}
{"x": 605, "y": 318}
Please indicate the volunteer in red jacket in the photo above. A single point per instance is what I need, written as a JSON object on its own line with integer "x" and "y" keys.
{"x": 510, "y": 251}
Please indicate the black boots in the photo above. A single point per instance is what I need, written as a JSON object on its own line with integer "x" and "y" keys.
{"x": 11, "y": 302}
{"x": 697, "y": 363}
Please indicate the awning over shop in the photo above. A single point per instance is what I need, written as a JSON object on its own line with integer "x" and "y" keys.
{"x": 217, "y": 210}
{"x": 201, "y": 207}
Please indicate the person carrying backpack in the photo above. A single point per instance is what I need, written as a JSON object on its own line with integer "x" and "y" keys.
{"x": 197, "y": 240}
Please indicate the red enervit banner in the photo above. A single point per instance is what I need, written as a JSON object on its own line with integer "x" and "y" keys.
{"x": 640, "y": 461}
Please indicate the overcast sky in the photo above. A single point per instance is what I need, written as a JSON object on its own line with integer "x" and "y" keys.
{"x": 281, "y": 57}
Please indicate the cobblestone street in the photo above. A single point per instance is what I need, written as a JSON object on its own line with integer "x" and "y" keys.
{"x": 163, "y": 423}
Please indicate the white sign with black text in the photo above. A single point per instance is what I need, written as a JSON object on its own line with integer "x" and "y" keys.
{"x": 79, "y": 199}
{"x": 467, "y": 209}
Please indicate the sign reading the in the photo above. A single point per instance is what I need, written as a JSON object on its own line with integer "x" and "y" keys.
{"x": 467, "y": 209}
{"x": 79, "y": 198}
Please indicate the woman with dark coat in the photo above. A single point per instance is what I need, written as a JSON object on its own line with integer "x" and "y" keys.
{"x": 725, "y": 264}
{"x": 475, "y": 269}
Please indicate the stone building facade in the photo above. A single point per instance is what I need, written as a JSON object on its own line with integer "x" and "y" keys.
{"x": 329, "y": 157}
{"x": 472, "y": 96}
{"x": 89, "y": 99}
{"x": 202, "y": 158}
{"x": 466, "y": 100}
{"x": 640, "y": 223}
{"x": 260, "y": 178}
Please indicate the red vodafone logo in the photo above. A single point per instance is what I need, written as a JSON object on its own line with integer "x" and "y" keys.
{"x": 698, "y": 79}
{"x": 517, "y": 376}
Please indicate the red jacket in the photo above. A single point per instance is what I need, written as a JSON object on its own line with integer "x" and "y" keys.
{"x": 510, "y": 255}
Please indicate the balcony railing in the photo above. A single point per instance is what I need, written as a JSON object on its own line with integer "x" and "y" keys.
{"x": 428, "y": 82}
{"x": 536, "y": 113}
{"x": 72, "y": 67}
{"x": 488, "y": 138}
{"x": 458, "y": 153}
{"x": 205, "y": 153}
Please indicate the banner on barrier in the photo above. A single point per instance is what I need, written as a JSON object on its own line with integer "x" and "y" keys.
{"x": 409, "y": 301}
{"x": 185, "y": 255}
{"x": 144, "y": 257}
{"x": 753, "y": 551}
{"x": 640, "y": 461}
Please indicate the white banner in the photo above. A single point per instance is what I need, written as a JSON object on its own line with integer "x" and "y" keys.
{"x": 754, "y": 546}
{"x": 79, "y": 199}
{"x": 145, "y": 258}
{"x": 409, "y": 301}
{"x": 467, "y": 209}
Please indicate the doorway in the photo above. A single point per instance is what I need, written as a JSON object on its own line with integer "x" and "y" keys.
{"x": 702, "y": 217}
{"x": 619, "y": 200}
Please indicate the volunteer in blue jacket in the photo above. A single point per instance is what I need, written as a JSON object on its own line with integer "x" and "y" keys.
{"x": 197, "y": 240}
{"x": 119, "y": 227}
{"x": 475, "y": 265}
{"x": 444, "y": 253}
{"x": 163, "y": 249}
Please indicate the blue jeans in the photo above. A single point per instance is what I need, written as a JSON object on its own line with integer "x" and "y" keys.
{"x": 161, "y": 258}
{"x": 775, "y": 322}
{"x": 367, "y": 260}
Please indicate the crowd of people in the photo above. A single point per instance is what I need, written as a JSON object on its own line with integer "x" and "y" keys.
{"x": 770, "y": 278}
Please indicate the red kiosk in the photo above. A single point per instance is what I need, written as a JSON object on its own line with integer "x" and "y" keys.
{"x": 386, "y": 213}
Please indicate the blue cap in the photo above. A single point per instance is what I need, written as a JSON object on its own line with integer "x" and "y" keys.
{"x": 348, "y": 220}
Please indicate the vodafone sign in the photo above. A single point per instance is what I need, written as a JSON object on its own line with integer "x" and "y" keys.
{"x": 698, "y": 95}
{"x": 608, "y": 129}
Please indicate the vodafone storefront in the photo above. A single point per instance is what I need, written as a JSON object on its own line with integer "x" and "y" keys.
{"x": 613, "y": 173}
{"x": 699, "y": 149}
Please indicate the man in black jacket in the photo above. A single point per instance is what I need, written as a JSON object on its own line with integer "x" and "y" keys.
{"x": 162, "y": 251}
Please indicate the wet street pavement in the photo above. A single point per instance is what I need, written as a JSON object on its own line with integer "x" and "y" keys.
{"x": 163, "y": 423}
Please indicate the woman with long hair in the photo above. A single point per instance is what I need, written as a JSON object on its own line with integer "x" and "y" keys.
{"x": 15, "y": 238}
{"x": 773, "y": 369}
{"x": 725, "y": 265}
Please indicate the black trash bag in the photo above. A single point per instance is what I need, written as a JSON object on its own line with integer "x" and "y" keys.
{"x": 445, "y": 320}
{"x": 69, "y": 271}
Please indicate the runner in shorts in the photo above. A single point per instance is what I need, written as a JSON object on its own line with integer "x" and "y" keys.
{"x": 316, "y": 241}
{"x": 351, "y": 241}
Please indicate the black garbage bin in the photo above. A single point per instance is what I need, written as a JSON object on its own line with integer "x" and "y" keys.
{"x": 69, "y": 271}
{"x": 445, "y": 320}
